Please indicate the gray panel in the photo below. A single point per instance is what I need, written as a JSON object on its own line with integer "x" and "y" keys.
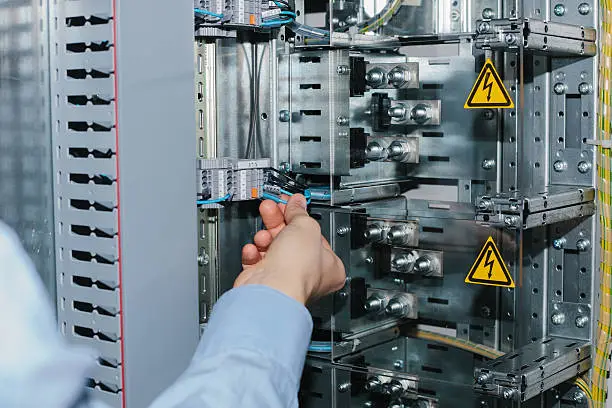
{"x": 156, "y": 127}
{"x": 25, "y": 152}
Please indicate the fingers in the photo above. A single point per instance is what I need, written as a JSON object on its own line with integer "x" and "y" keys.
{"x": 250, "y": 255}
{"x": 272, "y": 216}
{"x": 333, "y": 270}
{"x": 262, "y": 240}
{"x": 296, "y": 207}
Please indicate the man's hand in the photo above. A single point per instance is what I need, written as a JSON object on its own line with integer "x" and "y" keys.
{"x": 291, "y": 255}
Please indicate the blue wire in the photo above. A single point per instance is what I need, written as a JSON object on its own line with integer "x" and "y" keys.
{"x": 276, "y": 23}
{"x": 207, "y": 13}
{"x": 320, "y": 347}
{"x": 288, "y": 13}
{"x": 268, "y": 196}
{"x": 214, "y": 201}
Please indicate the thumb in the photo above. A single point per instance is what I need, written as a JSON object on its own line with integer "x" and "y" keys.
{"x": 296, "y": 207}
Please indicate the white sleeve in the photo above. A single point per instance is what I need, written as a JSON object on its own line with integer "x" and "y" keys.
{"x": 37, "y": 369}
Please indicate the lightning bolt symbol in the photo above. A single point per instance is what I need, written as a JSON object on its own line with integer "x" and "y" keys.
{"x": 488, "y": 86}
{"x": 489, "y": 263}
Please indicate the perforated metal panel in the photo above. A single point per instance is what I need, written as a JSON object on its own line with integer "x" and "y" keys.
{"x": 86, "y": 205}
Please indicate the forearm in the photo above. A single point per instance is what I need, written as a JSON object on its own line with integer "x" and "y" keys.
{"x": 252, "y": 353}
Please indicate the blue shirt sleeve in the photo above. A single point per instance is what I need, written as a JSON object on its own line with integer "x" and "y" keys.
{"x": 251, "y": 355}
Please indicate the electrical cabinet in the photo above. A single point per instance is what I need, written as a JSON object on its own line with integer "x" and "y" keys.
{"x": 455, "y": 153}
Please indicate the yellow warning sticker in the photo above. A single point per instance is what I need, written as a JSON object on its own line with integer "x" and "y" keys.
{"x": 489, "y": 90}
{"x": 489, "y": 268}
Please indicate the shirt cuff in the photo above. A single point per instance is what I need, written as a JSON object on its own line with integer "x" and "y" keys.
{"x": 262, "y": 319}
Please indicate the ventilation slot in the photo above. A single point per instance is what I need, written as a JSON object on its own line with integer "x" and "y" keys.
{"x": 437, "y": 301}
{"x": 80, "y": 21}
{"x": 438, "y": 158}
{"x": 90, "y": 283}
{"x": 82, "y": 153}
{"x": 310, "y": 112}
{"x": 86, "y": 205}
{"x": 107, "y": 362}
{"x": 101, "y": 179}
{"x": 88, "y": 231}
{"x": 91, "y": 383}
{"x": 310, "y": 165}
{"x": 437, "y": 347}
{"x": 310, "y": 59}
{"x": 310, "y": 139}
{"x": 434, "y": 230}
{"x": 433, "y": 134}
{"x": 82, "y": 100}
{"x": 92, "y": 334}
{"x": 90, "y": 308}
{"x": 430, "y": 369}
{"x": 81, "y": 47}
{"x": 89, "y": 257}
{"x": 83, "y": 73}
{"x": 310, "y": 86}
{"x": 85, "y": 126}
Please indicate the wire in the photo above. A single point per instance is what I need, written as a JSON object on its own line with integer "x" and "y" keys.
{"x": 214, "y": 201}
{"x": 320, "y": 347}
{"x": 207, "y": 13}
{"x": 276, "y": 199}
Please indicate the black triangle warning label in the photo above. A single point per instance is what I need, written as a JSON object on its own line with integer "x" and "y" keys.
{"x": 489, "y": 90}
{"x": 489, "y": 268}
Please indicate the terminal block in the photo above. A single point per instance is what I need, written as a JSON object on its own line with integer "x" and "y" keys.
{"x": 228, "y": 179}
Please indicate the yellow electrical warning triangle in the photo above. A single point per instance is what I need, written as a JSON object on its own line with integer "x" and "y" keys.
{"x": 489, "y": 90}
{"x": 489, "y": 268}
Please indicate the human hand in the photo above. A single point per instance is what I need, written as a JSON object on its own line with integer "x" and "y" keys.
{"x": 291, "y": 255}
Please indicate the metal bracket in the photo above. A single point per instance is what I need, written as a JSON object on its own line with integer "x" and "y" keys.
{"x": 570, "y": 320}
{"x": 516, "y": 211}
{"x": 539, "y": 37}
{"x": 533, "y": 368}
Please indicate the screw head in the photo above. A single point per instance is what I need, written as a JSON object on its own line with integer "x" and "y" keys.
{"x": 485, "y": 311}
{"x": 488, "y": 13}
{"x": 559, "y": 88}
{"x": 584, "y": 167}
{"x": 581, "y": 321}
{"x": 398, "y": 112}
{"x": 559, "y": 10}
{"x": 558, "y": 318}
{"x": 584, "y": 8}
{"x": 510, "y": 38}
{"x": 488, "y": 114}
{"x": 485, "y": 204}
{"x": 488, "y": 164}
{"x": 375, "y": 77}
{"x": 578, "y": 396}
{"x": 420, "y": 113}
{"x": 559, "y": 243}
{"x": 344, "y": 387}
{"x": 284, "y": 116}
{"x": 343, "y": 69}
{"x": 399, "y": 364}
{"x": 342, "y": 120}
{"x": 583, "y": 244}
{"x": 482, "y": 378}
{"x": 511, "y": 220}
{"x": 483, "y": 27}
{"x": 585, "y": 88}
{"x": 508, "y": 393}
{"x": 559, "y": 166}
{"x": 342, "y": 231}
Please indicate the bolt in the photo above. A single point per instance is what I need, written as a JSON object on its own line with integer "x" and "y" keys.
{"x": 560, "y": 88}
{"x": 342, "y": 294}
{"x": 344, "y": 387}
{"x": 375, "y": 77}
{"x": 284, "y": 116}
{"x": 583, "y": 244}
{"x": 488, "y": 164}
{"x": 423, "y": 265}
{"x": 203, "y": 259}
{"x": 584, "y": 167}
{"x": 396, "y": 149}
{"x": 374, "y": 303}
{"x": 284, "y": 167}
{"x": 483, "y": 378}
{"x": 402, "y": 262}
{"x": 483, "y": 27}
{"x": 511, "y": 220}
{"x": 559, "y": 10}
{"x": 581, "y": 321}
{"x": 372, "y": 384}
{"x": 373, "y": 233}
{"x": 420, "y": 113}
{"x": 397, "y": 235}
{"x": 488, "y": 13}
{"x": 510, "y": 38}
{"x": 585, "y": 88}
{"x": 374, "y": 151}
{"x": 558, "y": 318}
{"x": 578, "y": 396}
{"x": 584, "y": 8}
{"x": 485, "y": 311}
{"x": 342, "y": 121}
{"x": 342, "y": 231}
{"x": 393, "y": 387}
{"x": 369, "y": 260}
{"x": 488, "y": 114}
{"x": 397, "y": 112}
{"x": 343, "y": 69}
{"x": 398, "y": 281}
{"x": 559, "y": 166}
{"x": 559, "y": 243}
{"x": 508, "y": 393}
{"x": 399, "y": 364}
{"x": 368, "y": 404}
{"x": 483, "y": 404}
{"x": 485, "y": 204}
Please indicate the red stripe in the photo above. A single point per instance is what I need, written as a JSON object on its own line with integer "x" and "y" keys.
{"x": 118, "y": 201}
